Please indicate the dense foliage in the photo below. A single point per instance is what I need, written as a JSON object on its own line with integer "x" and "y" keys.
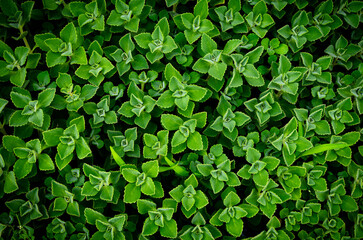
{"x": 196, "y": 120}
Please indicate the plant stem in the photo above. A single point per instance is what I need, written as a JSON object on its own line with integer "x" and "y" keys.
{"x": 26, "y": 84}
{"x": 278, "y": 95}
{"x": 64, "y": 4}
{"x": 2, "y": 129}
{"x": 24, "y": 38}
{"x": 334, "y": 62}
{"x": 174, "y": 7}
{"x": 32, "y": 50}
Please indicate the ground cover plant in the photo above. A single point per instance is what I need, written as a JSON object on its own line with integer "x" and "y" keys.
{"x": 181, "y": 119}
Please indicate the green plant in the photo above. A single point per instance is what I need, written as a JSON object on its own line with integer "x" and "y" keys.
{"x": 180, "y": 119}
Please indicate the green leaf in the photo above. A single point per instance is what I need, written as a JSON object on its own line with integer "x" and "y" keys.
{"x": 251, "y": 72}
{"x": 88, "y": 189}
{"x": 165, "y": 100}
{"x": 171, "y": 122}
{"x": 241, "y": 118}
{"x": 19, "y": 100}
{"x": 130, "y": 174}
{"x": 65, "y": 150}
{"x": 351, "y": 138}
{"x": 201, "y": 118}
{"x": 54, "y": 59}
{"x": 10, "y": 184}
{"x": 231, "y": 199}
{"x": 82, "y": 148}
{"x": 22, "y": 168}
{"x": 250, "y": 209}
{"x": 62, "y": 163}
{"x": 170, "y": 229}
{"x": 73, "y": 209}
{"x": 149, "y": 228}
{"x": 117, "y": 157}
{"x": 216, "y": 185}
{"x": 303, "y": 144}
{"x": 33, "y": 60}
{"x": 132, "y": 193}
{"x": 261, "y": 178}
{"x": 194, "y": 141}
{"x": 159, "y": 191}
{"x": 151, "y": 168}
{"x": 37, "y": 118}
{"x": 205, "y": 169}
{"x": 201, "y": 200}
{"x": 182, "y": 103}
{"x": 323, "y": 148}
{"x": 201, "y": 66}
{"x": 9, "y": 7}
{"x": 284, "y": 64}
{"x": 179, "y": 170}
{"x": 136, "y": 6}
{"x": 79, "y": 57}
{"x": 18, "y": 78}
{"x": 107, "y": 193}
{"x": 51, "y": 137}
{"x": 46, "y": 97}
{"x": 69, "y": 33}
{"x": 148, "y": 187}
{"x": 171, "y": 71}
{"x": 196, "y": 93}
{"x": 143, "y": 40}
{"x": 177, "y": 193}
{"x": 217, "y": 70}
{"x": 115, "y": 19}
{"x": 231, "y": 46}
{"x": 3, "y": 103}
{"x": 348, "y": 204}
{"x": 79, "y": 122}
{"x": 235, "y": 227}
{"x": 60, "y": 204}
{"x": 40, "y": 40}
{"x": 322, "y": 128}
{"x": 169, "y": 45}
{"x": 45, "y": 162}
{"x": 144, "y": 206}
{"x": 58, "y": 189}
{"x": 111, "y": 117}
{"x": 10, "y": 142}
{"x": 208, "y": 44}
{"x": 254, "y": 55}
{"x": 178, "y": 139}
{"x": 92, "y": 216}
{"x": 164, "y": 26}
{"x": 201, "y": 9}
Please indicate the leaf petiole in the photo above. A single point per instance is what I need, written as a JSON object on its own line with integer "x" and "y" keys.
{"x": 24, "y": 38}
